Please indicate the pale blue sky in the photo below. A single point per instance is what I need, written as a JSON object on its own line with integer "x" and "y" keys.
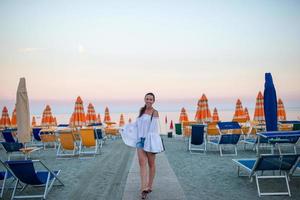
{"x": 104, "y": 50}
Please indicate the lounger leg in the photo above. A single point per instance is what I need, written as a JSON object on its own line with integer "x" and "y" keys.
{"x": 3, "y": 184}
{"x": 287, "y": 184}
{"x": 46, "y": 186}
{"x": 14, "y": 191}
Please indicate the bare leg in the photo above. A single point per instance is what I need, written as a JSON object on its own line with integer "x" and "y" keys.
{"x": 151, "y": 163}
{"x": 143, "y": 168}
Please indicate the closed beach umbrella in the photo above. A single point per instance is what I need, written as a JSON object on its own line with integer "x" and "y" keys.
{"x": 91, "y": 117}
{"x": 5, "y": 120}
{"x": 14, "y": 118}
{"x": 215, "y": 115}
{"x": 281, "y": 114}
{"x": 98, "y": 118}
{"x": 270, "y": 103}
{"x": 183, "y": 116}
{"x": 122, "y": 121}
{"x": 23, "y": 115}
{"x": 54, "y": 121}
{"x": 259, "y": 113}
{"x": 171, "y": 125}
{"x": 107, "y": 115}
{"x": 78, "y": 116}
{"x": 239, "y": 113}
{"x": 71, "y": 119}
{"x": 33, "y": 122}
{"x": 247, "y": 116}
{"x": 203, "y": 113}
{"x": 47, "y": 118}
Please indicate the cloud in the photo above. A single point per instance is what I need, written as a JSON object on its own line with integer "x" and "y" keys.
{"x": 81, "y": 49}
{"x": 30, "y": 50}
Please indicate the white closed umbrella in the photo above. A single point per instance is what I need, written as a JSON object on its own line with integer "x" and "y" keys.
{"x": 23, "y": 115}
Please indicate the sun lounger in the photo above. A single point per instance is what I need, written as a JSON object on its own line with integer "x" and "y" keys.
{"x": 12, "y": 148}
{"x": 26, "y": 173}
{"x": 197, "y": 140}
{"x": 8, "y": 136}
{"x": 67, "y": 143}
{"x": 259, "y": 168}
{"x": 4, "y": 175}
{"x": 229, "y": 135}
{"x": 87, "y": 141}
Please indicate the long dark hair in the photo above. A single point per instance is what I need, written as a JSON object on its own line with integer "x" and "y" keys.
{"x": 143, "y": 109}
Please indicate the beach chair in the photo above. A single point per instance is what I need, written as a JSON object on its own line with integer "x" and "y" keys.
{"x": 36, "y": 134}
{"x": 8, "y": 136}
{"x": 178, "y": 129}
{"x": 258, "y": 168}
{"x": 186, "y": 128}
{"x": 25, "y": 173}
{"x": 67, "y": 144}
{"x": 99, "y": 136}
{"x": 87, "y": 141}
{"x": 48, "y": 137}
{"x": 229, "y": 135}
{"x": 4, "y": 175}
{"x": 12, "y": 148}
{"x": 197, "y": 142}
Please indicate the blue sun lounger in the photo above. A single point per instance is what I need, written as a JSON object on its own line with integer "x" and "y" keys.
{"x": 25, "y": 172}
{"x": 4, "y": 175}
{"x": 282, "y": 164}
{"x": 197, "y": 140}
{"x": 228, "y": 138}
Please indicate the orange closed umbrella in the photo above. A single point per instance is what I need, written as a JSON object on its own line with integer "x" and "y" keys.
{"x": 5, "y": 120}
{"x": 33, "y": 122}
{"x": 47, "y": 118}
{"x": 203, "y": 114}
{"x": 122, "y": 121}
{"x": 259, "y": 113}
{"x": 106, "y": 115}
{"x": 14, "y": 118}
{"x": 281, "y": 114}
{"x": 215, "y": 115}
{"x": 55, "y": 121}
{"x": 98, "y": 118}
{"x": 239, "y": 114}
{"x": 247, "y": 116}
{"x": 78, "y": 116}
{"x": 183, "y": 116}
{"x": 91, "y": 117}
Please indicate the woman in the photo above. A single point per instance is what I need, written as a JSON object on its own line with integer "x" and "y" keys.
{"x": 144, "y": 134}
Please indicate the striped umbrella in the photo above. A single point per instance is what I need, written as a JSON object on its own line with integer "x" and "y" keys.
{"x": 47, "y": 118}
{"x": 106, "y": 115}
{"x": 55, "y": 121}
{"x": 5, "y": 120}
{"x": 91, "y": 117}
{"x": 215, "y": 115}
{"x": 71, "y": 119}
{"x": 78, "y": 116}
{"x": 239, "y": 114}
{"x": 98, "y": 118}
{"x": 14, "y": 118}
{"x": 33, "y": 121}
{"x": 281, "y": 114}
{"x": 247, "y": 116}
{"x": 259, "y": 113}
{"x": 203, "y": 114}
{"x": 122, "y": 121}
{"x": 183, "y": 115}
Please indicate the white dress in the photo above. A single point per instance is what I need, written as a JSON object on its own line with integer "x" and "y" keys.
{"x": 146, "y": 128}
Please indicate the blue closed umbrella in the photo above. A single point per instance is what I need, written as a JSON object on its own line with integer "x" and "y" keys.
{"x": 270, "y": 103}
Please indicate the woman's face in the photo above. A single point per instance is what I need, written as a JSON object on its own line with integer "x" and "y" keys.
{"x": 149, "y": 100}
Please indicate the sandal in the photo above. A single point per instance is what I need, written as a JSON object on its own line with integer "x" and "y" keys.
{"x": 144, "y": 194}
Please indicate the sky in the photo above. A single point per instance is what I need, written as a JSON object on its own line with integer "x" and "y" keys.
{"x": 113, "y": 52}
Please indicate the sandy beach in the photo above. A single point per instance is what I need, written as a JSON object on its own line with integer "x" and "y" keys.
{"x": 102, "y": 177}
{"x": 209, "y": 176}
{"x": 201, "y": 176}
